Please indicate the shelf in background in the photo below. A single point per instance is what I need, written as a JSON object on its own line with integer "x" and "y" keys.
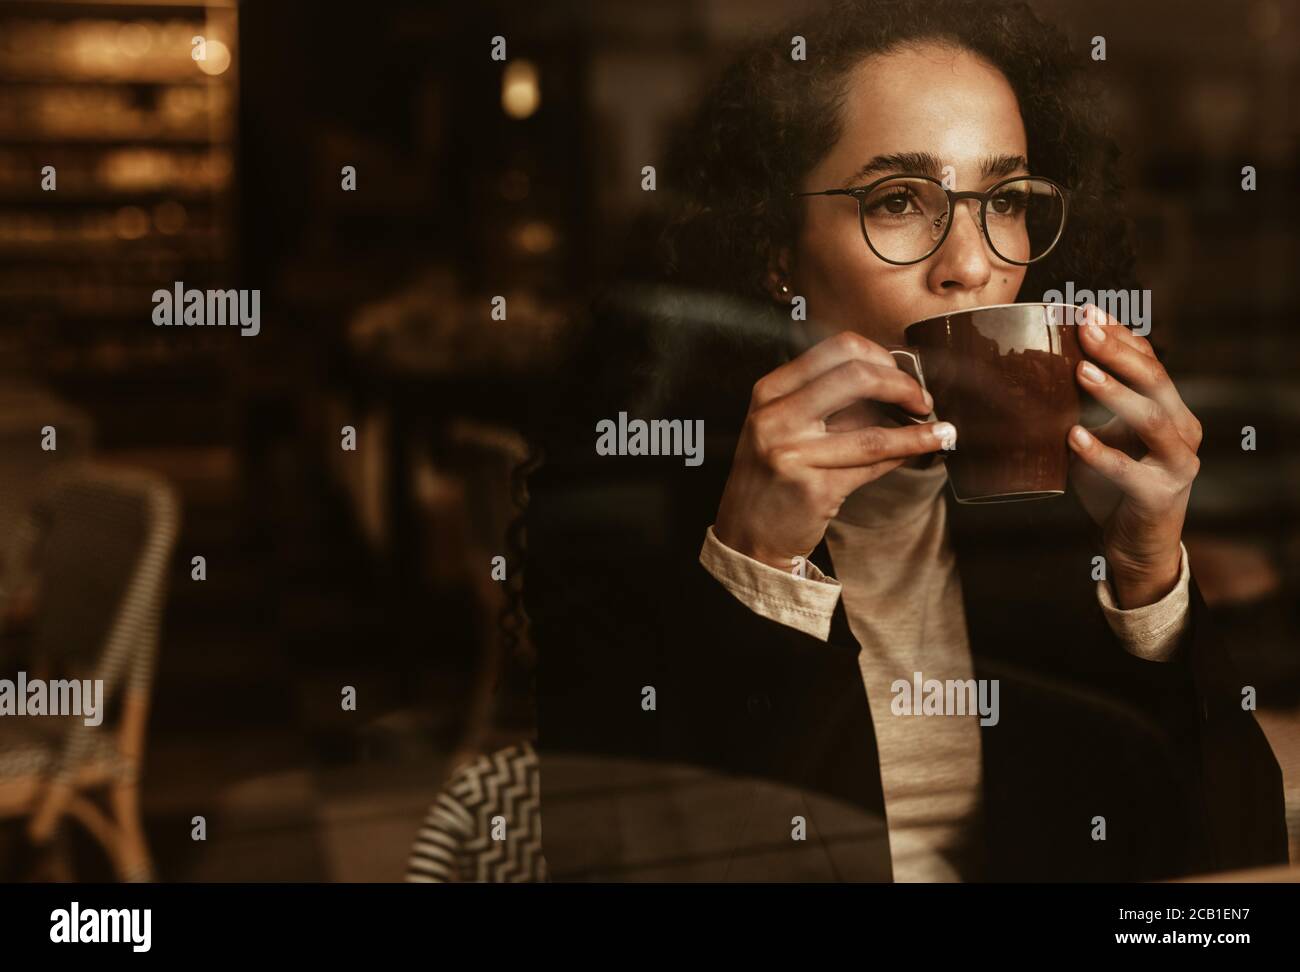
{"x": 143, "y": 141}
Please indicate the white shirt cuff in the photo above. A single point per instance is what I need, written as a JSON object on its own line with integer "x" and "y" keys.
{"x": 805, "y": 603}
{"x": 1152, "y": 631}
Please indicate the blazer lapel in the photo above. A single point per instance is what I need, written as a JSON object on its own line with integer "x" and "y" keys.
{"x": 858, "y": 858}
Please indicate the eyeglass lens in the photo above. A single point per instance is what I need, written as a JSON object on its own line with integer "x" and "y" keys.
{"x": 904, "y": 218}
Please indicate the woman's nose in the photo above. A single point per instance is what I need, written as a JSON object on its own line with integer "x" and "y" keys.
{"x": 963, "y": 260}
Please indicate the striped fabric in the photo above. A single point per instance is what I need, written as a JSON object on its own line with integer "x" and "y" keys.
{"x": 485, "y": 825}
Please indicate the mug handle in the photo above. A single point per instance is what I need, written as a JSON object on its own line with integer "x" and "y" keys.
{"x": 908, "y": 360}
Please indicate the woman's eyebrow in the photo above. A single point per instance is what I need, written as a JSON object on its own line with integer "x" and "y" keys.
{"x": 925, "y": 163}
{"x": 998, "y": 166}
{"x": 920, "y": 163}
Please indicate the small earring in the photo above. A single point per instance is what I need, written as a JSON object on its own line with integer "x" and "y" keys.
{"x": 785, "y": 289}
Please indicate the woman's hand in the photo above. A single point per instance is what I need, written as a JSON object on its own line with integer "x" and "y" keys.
{"x": 810, "y": 439}
{"x": 1134, "y": 474}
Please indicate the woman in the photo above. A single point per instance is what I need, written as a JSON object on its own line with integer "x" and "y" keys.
{"x": 834, "y": 563}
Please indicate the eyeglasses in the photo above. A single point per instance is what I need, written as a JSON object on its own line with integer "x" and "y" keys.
{"x": 906, "y": 218}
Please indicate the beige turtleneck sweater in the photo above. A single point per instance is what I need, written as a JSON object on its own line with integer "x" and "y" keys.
{"x": 902, "y": 595}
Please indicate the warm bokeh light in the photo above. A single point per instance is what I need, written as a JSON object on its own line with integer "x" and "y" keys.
{"x": 218, "y": 58}
{"x": 535, "y": 237}
{"x": 131, "y": 223}
{"x": 521, "y": 93}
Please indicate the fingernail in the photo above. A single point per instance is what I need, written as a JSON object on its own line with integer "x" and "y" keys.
{"x": 1096, "y": 331}
{"x": 946, "y": 433}
{"x": 1094, "y": 315}
{"x": 1092, "y": 372}
{"x": 1081, "y": 436}
{"x": 929, "y": 401}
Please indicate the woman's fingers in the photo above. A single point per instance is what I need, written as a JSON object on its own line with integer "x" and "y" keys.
{"x": 820, "y": 358}
{"x": 1093, "y": 313}
{"x": 871, "y": 445}
{"x": 851, "y": 478}
{"x": 1144, "y": 416}
{"x": 1131, "y": 359}
{"x": 1117, "y": 434}
{"x": 857, "y": 415}
{"x": 1122, "y": 470}
{"x": 854, "y": 381}
{"x": 1152, "y": 486}
{"x": 1125, "y": 376}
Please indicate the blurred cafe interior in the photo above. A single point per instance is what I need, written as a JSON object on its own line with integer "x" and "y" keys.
{"x": 326, "y": 568}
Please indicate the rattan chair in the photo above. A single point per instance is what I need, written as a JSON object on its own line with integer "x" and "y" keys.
{"x": 102, "y": 542}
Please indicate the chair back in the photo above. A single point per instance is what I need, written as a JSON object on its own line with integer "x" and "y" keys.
{"x": 106, "y": 539}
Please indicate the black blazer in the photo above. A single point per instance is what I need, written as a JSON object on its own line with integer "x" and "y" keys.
{"x": 618, "y": 601}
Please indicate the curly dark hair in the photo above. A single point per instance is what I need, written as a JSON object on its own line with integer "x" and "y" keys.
{"x": 770, "y": 119}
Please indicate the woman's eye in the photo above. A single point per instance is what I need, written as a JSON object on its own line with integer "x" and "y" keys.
{"x": 1008, "y": 203}
{"x": 896, "y": 204}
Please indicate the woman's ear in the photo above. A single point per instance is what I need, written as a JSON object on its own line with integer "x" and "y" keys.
{"x": 779, "y": 286}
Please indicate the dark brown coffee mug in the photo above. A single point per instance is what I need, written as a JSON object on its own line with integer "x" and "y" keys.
{"x": 1004, "y": 376}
